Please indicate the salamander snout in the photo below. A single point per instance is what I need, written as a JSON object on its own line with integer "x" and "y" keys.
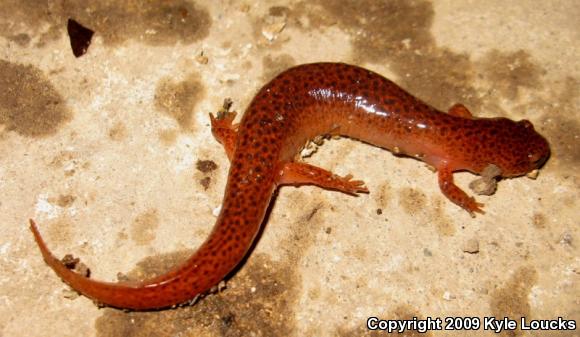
{"x": 533, "y": 149}
{"x": 537, "y": 158}
{"x": 538, "y": 149}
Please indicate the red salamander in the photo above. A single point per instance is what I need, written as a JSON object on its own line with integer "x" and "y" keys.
{"x": 299, "y": 104}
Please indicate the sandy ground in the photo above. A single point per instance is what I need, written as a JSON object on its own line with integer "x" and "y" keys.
{"x": 109, "y": 152}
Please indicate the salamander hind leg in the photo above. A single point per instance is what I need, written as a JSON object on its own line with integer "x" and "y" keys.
{"x": 456, "y": 194}
{"x": 224, "y": 130}
{"x": 460, "y": 110}
{"x": 294, "y": 173}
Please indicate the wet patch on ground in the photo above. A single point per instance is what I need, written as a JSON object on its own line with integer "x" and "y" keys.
{"x": 179, "y": 99}
{"x": 144, "y": 227}
{"x": 29, "y": 103}
{"x": 511, "y": 300}
{"x": 401, "y": 312}
{"x": 151, "y": 22}
{"x": 258, "y": 301}
{"x": 274, "y": 65}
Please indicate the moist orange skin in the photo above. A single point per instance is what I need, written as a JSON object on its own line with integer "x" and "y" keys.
{"x": 299, "y": 104}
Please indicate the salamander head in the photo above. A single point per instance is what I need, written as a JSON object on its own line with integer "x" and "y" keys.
{"x": 515, "y": 147}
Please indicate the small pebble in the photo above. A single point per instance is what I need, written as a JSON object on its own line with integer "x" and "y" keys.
{"x": 448, "y": 296}
{"x": 471, "y": 246}
{"x": 566, "y": 239}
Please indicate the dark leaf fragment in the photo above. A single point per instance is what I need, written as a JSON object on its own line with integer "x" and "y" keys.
{"x": 80, "y": 37}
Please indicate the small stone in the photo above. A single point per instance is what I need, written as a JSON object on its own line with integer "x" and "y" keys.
{"x": 216, "y": 211}
{"x": 272, "y": 30}
{"x": 70, "y": 294}
{"x": 202, "y": 59}
{"x": 471, "y": 246}
{"x": 483, "y": 186}
{"x": 448, "y": 296}
{"x": 566, "y": 239}
{"x": 121, "y": 277}
{"x": 487, "y": 184}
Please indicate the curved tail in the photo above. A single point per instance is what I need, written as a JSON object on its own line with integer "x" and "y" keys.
{"x": 199, "y": 274}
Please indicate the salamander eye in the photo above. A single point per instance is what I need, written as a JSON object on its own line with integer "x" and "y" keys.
{"x": 537, "y": 159}
{"x": 526, "y": 123}
{"x": 534, "y": 157}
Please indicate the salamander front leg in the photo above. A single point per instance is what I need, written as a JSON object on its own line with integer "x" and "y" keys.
{"x": 225, "y": 131}
{"x": 296, "y": 174}
{"x": 456, "y": 194}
